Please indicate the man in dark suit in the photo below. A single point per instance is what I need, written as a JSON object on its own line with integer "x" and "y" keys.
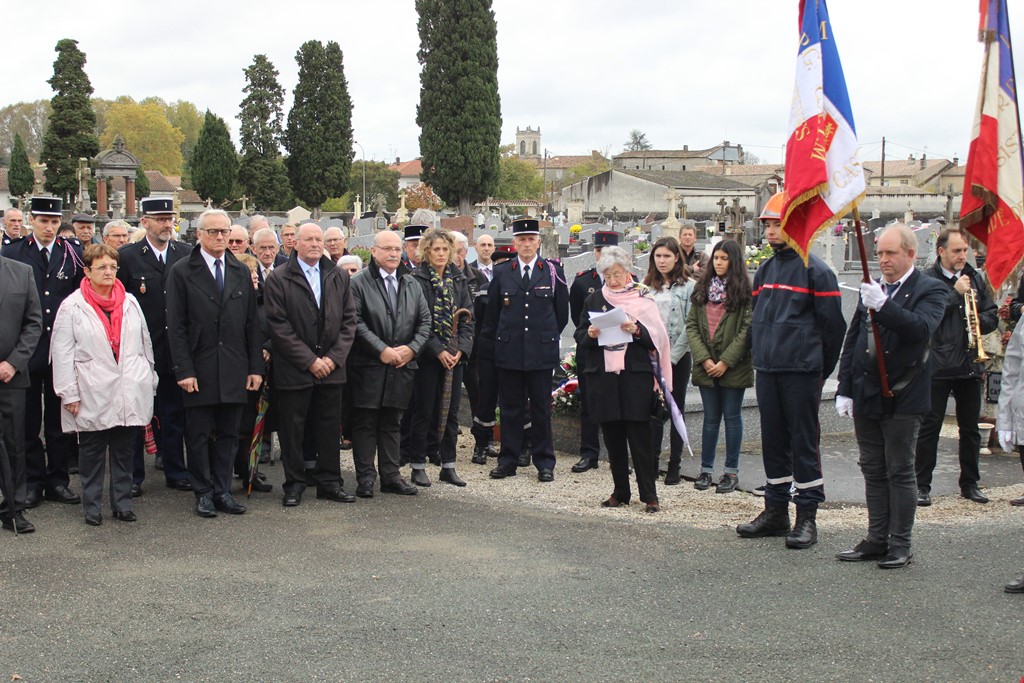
{"x": 19, "y": 335}
{"x": 585, "y": 284}
{"x": 906, "y": 312}
{"x": 527, "y": 311}
{"x": 217, "y": 353}
{"x": 143, "y": 269}
{"x": 13, "y": 222}
{"x": 312, "y": 322}
{"x": 58, "y": 269}
{"x": 266, "y": 251}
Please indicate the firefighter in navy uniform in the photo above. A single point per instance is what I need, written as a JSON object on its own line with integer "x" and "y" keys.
{"x": 528, "y": 307}
{"x": 143, "y": 269}
{"x": 57, "y": 266}
{"x": 585, "y": 284}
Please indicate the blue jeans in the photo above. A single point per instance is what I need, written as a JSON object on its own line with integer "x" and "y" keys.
{"x": 721, "y": 402}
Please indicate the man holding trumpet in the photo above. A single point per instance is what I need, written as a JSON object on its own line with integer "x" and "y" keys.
{"x": 957, "y": 357}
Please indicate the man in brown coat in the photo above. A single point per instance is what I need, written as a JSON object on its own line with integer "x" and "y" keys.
{"x": 312, "y": 322}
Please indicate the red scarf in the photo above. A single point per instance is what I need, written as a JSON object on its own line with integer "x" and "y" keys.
{"x": 113, "y": 305}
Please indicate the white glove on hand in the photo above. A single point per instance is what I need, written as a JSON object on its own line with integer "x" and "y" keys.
{"x": 844, "y": 406}
{"x": 872, "y": 295}
{"x": 1006, "y": 441}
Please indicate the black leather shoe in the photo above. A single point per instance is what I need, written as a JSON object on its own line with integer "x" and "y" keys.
{"x": 420, "y": 478}
{"x": 975, "y": 494}
{"x": 136, "y": 490}
{"x": 399, "y": 486}
{"x": 337, "y": 494}
{"x": 204, "y": 507}
{"x": 896, "y": 558}
{"x": 291, "y": 499}
{"x": 773, "y": 521}
{"x": 703, "y": 482}
{"x": 545, "y": 475}
{"x": 502, "y": 471}
{"x": 365, "y": 490}
{"x": 225, "y": 503}
{"x": 93, "y": 518}
{"x": 1017, "y": 502}
{"x": 924, "y": 498}
{"x": 805, "y": 530}
{"x": 62, "y": 494}
{"x": 179, "y": 485}
{"x": 524, "y": 456}
{"x": 125, "y": 515}
{"x": 260, "y": 486}
{"x": 865, "y": 551}
{"x": 18, "y": 524}
{"x": 673, "y": 476}
{"x": 479, "y": 455}
{"x": 1015, "y": 586}
{"x": 449, "y": 475}
{"x": 33, "y": 498}
{"x": 584, "y": 464}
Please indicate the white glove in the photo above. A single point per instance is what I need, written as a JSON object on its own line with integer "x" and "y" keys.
{"x": 844, "y": 406}
{"x": 1006, "y": 441}
{"x": 872, "y": 295}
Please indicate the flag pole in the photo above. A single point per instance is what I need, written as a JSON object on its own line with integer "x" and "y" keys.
{"x": 879, "y": 349}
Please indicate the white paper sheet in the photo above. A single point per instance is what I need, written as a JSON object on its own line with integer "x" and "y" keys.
{"x": 608, "y": 322}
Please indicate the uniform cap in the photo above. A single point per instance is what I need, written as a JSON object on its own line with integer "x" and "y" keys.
{"x": 46, "y": 206}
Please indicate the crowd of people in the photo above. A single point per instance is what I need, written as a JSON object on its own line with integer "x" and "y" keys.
{"x": 133, "y": 343}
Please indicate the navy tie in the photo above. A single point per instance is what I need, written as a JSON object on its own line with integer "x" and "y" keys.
{"x": 890, "y": 289}
{"x": 526, "y": 277}
{"x": 218, "y": 275}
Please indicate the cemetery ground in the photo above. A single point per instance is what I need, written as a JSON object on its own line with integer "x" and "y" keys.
{"x": 513, "y": 580}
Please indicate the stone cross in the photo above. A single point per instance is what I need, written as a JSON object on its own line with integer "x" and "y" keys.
{"x": 357, "y": 208}
{"x": 735, "y": 230}
{"x": 402, "y": 215}
{"x": 670, "y": 226}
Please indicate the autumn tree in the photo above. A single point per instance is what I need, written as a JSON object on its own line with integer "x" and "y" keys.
{"x": 27, "y": 119}
{"x": 147, "y": 134}
{"x": 459, "y": 112}
{"x": 20, "y": 178}
{"x": 262, "y": 173}
{"x": 421, "y": 196}
{"x": 519, "y": 179}
{"x": 319, "y": 133}
{"x": 70, "y": 131}
{"x": 588, "y": 169}
{"x": 187, "y": 118}
{"x": 214, "y": 164}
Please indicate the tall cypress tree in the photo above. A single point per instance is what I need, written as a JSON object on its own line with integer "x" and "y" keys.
{"x": 460, "y": 110}
{"x": 319, "y": 133}
{"x": 70, "y": 133}
{"x": 20, "y": 179}
{"x": 214, "y": 164}
{"x": 262, "y": 173}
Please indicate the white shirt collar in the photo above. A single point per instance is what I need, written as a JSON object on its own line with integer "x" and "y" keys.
{"x": 531, "y": 264}
{"x": 384, "y": 275}
{"x": 209, "y": 258}
{"x": 903, "y": 279}
{"x": 155, "y": 248}
{"x": 948, "y": 273}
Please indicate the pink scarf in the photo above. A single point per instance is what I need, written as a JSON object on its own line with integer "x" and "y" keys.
{"x": 641, "y": 307}
{"x": 113, "y": 305}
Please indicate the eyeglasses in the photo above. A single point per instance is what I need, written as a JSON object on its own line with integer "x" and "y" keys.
{"x": 332, "y": 240}
{"x": 217, "y": 232}
{"x": 236, "y": 241}
{"x": 160, "y": 219}
{"x": 104, "y": 269}
{"x": 390, "y": 250}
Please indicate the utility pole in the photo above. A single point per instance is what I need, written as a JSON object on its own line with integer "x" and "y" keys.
{"x": 883, "y": 161}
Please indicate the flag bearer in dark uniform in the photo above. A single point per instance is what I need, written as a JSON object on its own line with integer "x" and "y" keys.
{"x": 57, "y": 266}
{"x": 143, "y": 271}
{"x": 528, "y": 306}
{"x": 585, "y": 284}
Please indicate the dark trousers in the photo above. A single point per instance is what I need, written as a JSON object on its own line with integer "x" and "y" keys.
{"x": 890, "y": 485}
{"x": 12, "y": 423}
{"x": 622, "y": 439}
{"x": 515, "y": 388}
{"x": 168, "y": 432}
{"x": 788, "y": 403}
{"x": 117, "y": 443}
{"x": 471, "y": 380}
{"x": 405, "y": 447}
{"x": 212, "y": 436}
{"x": 429, "y": 383}
{"x": 484, "y": 417}
{"x": 317, "y": 411}
{"x": 590, "y": 444}
{"x": 45, "y": 468}
{"x": 967, "y": 395}
{"x": 376, "y": 432}
{"x": 680, "y": 376}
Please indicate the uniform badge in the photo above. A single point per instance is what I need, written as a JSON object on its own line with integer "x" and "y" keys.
{"x": 506, "y": 301}
{"x": 142, "y": 287}
{"x": 590, "y": 291}
{"x": 61, "y": 275}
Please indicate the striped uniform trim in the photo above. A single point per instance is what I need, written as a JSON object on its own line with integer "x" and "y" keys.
{"x": 798, "y": 290}
{"x": 810, "y": 484}
{"x": 781, "y": 480}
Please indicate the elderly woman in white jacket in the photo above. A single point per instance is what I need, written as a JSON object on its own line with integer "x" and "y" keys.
{"x": 103, "y": 373}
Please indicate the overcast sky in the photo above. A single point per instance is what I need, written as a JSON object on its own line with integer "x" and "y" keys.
{"x": 685, "y": 72}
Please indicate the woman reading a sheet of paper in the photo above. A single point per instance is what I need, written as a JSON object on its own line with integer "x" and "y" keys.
{"x": 622, "y": 321}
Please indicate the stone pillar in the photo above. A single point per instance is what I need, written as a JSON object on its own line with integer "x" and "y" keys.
{"x": 101, "y": 197}
{"x": 549, "y": 242}
{"x": 575, "y": 207}
{"x": 129, "y": 197}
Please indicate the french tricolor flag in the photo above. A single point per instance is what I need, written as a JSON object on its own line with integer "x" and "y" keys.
{"x": 993, "y": 200}
{"x": 824, "y": 178}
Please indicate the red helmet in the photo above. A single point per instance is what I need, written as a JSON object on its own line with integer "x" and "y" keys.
{"x": 773, "y": 209}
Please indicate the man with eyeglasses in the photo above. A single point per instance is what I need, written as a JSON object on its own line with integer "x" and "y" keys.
{"x": 335, "y": 243}
{"x": 238, "y": 240}
{"x": 115, "y": 234}
{"x": 288, "y": 232}
{"x": 217, "y": 353}
{"x": 143, "y": 272}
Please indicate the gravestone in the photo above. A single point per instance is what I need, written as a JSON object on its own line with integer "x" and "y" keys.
{"x": 575, "y": 208}
{"x": 364, "y": 226}
{"x": 298, "y": 215}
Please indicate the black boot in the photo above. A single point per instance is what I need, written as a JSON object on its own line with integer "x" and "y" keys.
{"x": 672, "y": 476}
{"x": 524, "y": 456}
{"x": 805, "y": 530}
{"x": 480, "y": 454}
{"x": 448, "y": 474}
{"x": 773, "y": 521}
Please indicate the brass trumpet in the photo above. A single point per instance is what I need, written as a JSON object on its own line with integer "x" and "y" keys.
{"x": 974, "y": 326}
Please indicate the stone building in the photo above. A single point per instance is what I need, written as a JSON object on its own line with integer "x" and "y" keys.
{"x": 683, "y": 159}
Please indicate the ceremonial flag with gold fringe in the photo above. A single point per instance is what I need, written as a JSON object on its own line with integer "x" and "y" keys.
{"x": 824, "y": 178}
{"x": 993, "y": 198}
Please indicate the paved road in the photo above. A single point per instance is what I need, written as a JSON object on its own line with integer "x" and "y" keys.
{"x": 425, "y": 588}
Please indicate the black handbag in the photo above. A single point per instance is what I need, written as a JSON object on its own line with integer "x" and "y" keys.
{"x": 659, "y": 409}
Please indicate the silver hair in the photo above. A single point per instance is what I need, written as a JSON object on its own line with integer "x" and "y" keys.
{"x": 259, "y": 217}
{"x": 423, "y": 217}
{"x": 350, "y": 258}
{"x": 460, "y": 238}
{"x": 335, "y": 227}
{"x": 908, "y": 240}
{"x": 264, "y": 233}
{"x": 201, "y": 221}
{"x": 117, "y": 224}
{"x": 614, "y": 256}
